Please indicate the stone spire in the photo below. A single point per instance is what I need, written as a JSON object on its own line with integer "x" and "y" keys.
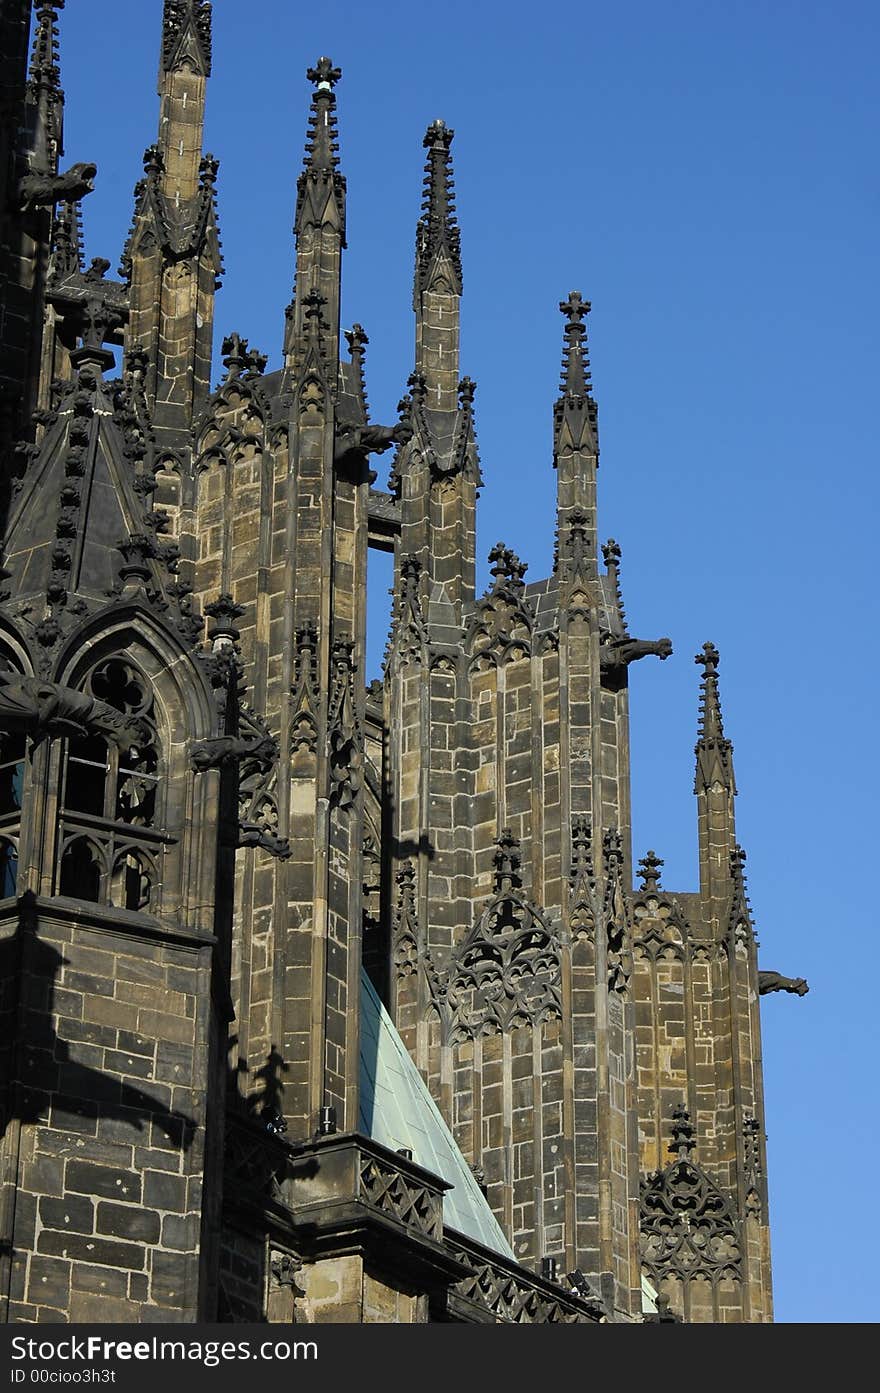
{"x": 438, "y": 238}
{"x": 44, "y": 89}
{"x": 716, "y": 790}
{"x": 320, "y": 181}
{"x": 319, "y": 226}
{"x": 184, "y": 66}
{"x": 575, "y": 443}
{"x": 714, "y": 752}
{"x": 173, "y": 253}
{"x": 186, "y": 37}
{"x": 575, "y": 407}
{"x": 44, "y": 68}
{"x": 437, "y": 282}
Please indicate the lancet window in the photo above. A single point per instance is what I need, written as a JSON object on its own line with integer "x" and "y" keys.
{"x": 12, "y": 762}
{"x": 111, "y": 839}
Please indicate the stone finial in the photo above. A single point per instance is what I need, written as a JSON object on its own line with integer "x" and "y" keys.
{"x": 710, "y": 733}
{"x": 737, "y": 866}
{"x": 611, "y": 554}
{"x": 323, "y": 75}
{"x": 649, "y": 870}
{"x": 137, "y": 552}
{"x": 575, "y": 380}
{"x": 709, "y": 657}
{"x": 238, "y": 358}
{"x": 506, "y": 566}
{"x": 322, "y": 143}
{"x": 154, "y": 163}
{"x": 313, "y": 308}
{"x": 418, "y": 387}
{"x": 466, "y": 391}
{"x": 223, "y": 633}
{"x": 612, "y": 847}
{"x": 233, "y": 354}
{"x": 357, "y": 340}
{"x": 682, "y": 1143}
{"x": 208, "y": 168}
{"x": 507, "y": 861}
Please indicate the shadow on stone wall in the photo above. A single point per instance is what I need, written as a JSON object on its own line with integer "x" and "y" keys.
{"x": 38, "y": 1074}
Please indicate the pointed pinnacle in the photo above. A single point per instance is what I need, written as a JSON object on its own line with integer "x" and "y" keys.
{"x": 438, "y": 226}
{"x": 711, "y": 726}
{"x": 174, "y": 18}
{"x": 357, "y": 340}
{"x": 67, "y": 240}
{"x": 44, "y": 69}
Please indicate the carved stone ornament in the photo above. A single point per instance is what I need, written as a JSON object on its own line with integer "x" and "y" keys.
{"x": 257, "y": 789}
{"x": 616, "y": 915}
{"x": 615, "y": 654}
{"x": 404, "y": 942}
{"x": 775, "y": 982}
{"x": 513, "y": 1297}
{"x": 304, "y": 702}
{"x": 43, "y": 190}
{"x": 506, "y": 971}
{"x": 502, "y": 620}
{"x": 583, "y": 893}
{"x": 754, "y": 1170}
{"x": 37, "y": 708}
{"x": 688, "y": 1228}
{"x": 345, "y": 739}
{"x": 659, "y": 927}
{"x": 224, "y": 750}
{"x": 409, "y": 634}
{"x": 360, "y": 439}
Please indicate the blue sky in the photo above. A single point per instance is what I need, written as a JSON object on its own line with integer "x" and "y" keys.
{"x": 705, "y": 173}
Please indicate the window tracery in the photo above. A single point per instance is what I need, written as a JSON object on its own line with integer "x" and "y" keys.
{"x": 111, "y": 841}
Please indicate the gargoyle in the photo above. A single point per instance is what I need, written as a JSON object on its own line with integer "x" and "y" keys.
{"x": 224, "y": 750}
{"x": 37, "y": 708}
{"x": 775, "y": 982}
{"x": 252, "y": 834}
{"x": 615, "y": 653}
{"x": 368, "y": 440}
{"x": 42, "y": 190}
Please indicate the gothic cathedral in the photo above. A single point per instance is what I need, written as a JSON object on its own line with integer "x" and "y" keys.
{"x": 320, "y": 1001}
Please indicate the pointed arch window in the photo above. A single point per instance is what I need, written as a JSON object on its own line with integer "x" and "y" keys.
{"x": 12, "y": 763}
{"x": 112, "y": 843}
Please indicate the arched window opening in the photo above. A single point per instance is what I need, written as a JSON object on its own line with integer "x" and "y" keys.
{"x": 112, "y": 789}
{"x": 12, "y": 763}
{"x": 81, "y": 871}
{"x": 12, "y": 757}
{"x": 8, "y": 868}
{"x": 131, "y": 883}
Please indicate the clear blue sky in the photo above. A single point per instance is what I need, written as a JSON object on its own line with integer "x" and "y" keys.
{"x": 705, "y": 173}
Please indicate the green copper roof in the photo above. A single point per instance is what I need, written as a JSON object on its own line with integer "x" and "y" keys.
{"x": 397, "y": 1111}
